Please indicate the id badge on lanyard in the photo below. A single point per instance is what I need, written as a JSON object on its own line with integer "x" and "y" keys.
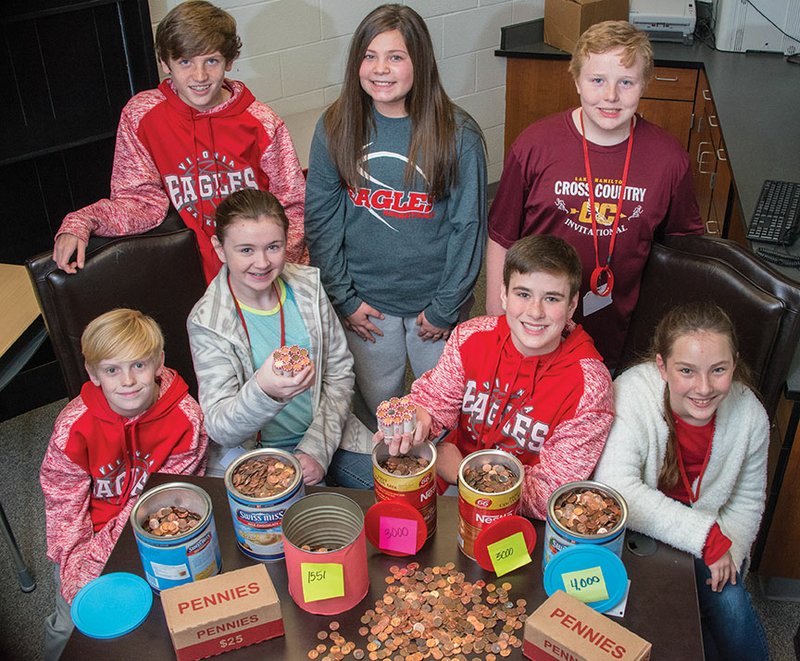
{"x": 602, "y": 278}
{"x": 594, "y": 302}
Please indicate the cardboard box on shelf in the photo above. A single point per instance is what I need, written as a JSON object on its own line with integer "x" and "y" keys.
{"x": 565, "y": 628}
{"x": 566, "y": 20}
{"x": 222, "y": 613}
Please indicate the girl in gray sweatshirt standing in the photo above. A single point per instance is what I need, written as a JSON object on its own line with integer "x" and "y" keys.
{"x": 395, "y": 204}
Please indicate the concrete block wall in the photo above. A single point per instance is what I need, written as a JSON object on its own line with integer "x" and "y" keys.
{"x": 294, "y": 52}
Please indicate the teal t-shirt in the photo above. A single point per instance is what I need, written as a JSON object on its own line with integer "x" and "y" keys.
{"x": 286, "y": 429}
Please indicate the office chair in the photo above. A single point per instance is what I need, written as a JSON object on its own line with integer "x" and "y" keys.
{"x": 159, "y": 273}
{"x": 763, "y": 305}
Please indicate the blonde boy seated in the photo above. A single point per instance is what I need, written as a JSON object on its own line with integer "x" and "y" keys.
{"x": 134, "y": 417}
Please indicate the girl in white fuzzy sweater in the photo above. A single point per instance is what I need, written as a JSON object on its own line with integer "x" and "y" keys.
{"x": 688, "y": 451}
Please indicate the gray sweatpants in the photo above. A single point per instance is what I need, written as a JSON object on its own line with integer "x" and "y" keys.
{"x": 380, "y": 367}
{"x": 58, "y": 625}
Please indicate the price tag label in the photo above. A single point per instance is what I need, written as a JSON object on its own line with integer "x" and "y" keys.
{"x": 586, "y": 585}
{"x": 509, "y": 553}
{"x": 322, "y": 580}
{"x": 398, "y": 535}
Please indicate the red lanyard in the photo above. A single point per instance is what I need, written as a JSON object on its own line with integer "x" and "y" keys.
{"x": 599, "y": 270}
{"x": 246, "y": 332}
{"x": 241, "y": 316}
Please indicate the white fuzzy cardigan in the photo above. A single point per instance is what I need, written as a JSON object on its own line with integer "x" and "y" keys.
{"x": 733, "y": 488}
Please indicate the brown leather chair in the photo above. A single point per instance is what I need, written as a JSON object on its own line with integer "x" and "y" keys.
{"x": 763, "y": 304}
{"x": 159, "y": 273}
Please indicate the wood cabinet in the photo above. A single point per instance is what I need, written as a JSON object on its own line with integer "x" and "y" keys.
{"x": 677, "y": 99}
{"x": 669, "y": 101}
{"x": 713, "y": 181}
{"x": 536, "y": 88}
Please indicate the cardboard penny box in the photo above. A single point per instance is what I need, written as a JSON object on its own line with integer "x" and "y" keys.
{"x": 222, "y": 613}
{"x": 565, "y": 628}
{"x": 566, "y": 20}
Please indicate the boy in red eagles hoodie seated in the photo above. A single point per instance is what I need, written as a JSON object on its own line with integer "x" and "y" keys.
{"x": 530, "y": 382}
{"x": 133, "y": 417}
{"x": 193, "y": 141}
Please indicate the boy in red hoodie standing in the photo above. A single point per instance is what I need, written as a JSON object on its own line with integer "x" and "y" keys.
{"x": 191, "y": 142}
{"x": 133, "y": 417}
{"x": 530, "y": 382}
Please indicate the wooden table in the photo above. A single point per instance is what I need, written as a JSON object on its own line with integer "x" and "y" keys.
{"x": 662, "y": 605}
{"x": 19, "y": 309}
{"x": 18, "y": 304}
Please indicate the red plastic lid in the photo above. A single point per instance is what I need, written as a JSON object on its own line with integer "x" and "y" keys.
{"x": 398, "y": 517}
{"x": 500, "y": 529}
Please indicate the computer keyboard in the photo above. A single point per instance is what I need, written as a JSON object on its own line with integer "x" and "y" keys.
{"x": 777, "y": 213}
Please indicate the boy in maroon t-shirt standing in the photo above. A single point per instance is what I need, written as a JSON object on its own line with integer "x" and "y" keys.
{"x": 641, "y": 183}
{"x": 530, "y": 382}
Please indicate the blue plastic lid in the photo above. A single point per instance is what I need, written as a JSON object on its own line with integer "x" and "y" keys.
{"x": 111, "y": 605}
{"x": 582, "y": 557}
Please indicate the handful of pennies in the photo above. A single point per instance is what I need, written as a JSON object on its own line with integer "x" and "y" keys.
{"x": 432, "y": 613}
{"x": 170, "y": 521}
{"x": 490, "y": 478}
{"x": 396, "y": 416}
{"x": 587, "y": 512}
{"x": 263, "y": 477}
{"x": 288, "y": 361}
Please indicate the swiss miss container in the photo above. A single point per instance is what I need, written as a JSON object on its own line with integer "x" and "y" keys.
{"x": 557, "y": 536}
{"x": 257, "y": 520}
{"x": 417, "y": 489}
{"x": 325, "y": 541}
{"x": 181, "y": 558}
{"x": 477, "y": 509}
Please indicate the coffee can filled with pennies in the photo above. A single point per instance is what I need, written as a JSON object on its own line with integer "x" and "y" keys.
{"x": 489, "y": 488}
{"x": 261, "y": 486}
{"x": 410, "y": 478}
{"x": 326, "y": 553}
{"x": 175, "y": 532}
{"x": 585, "y": 512}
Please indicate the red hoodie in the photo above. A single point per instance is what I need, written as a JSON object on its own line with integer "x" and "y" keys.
{"x": 556, "y": 408}
{"x": 167, "y": 151}
{"x": 97, "y": 463}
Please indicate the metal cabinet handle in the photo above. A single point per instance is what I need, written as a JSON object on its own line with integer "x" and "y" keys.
{"x": 722, "y": 155}
{"x": 709, "y": 229}
{"x": 701, "y": 157}
{"x": 664, "y": 79}
{"x": 712, "y": 121}
{"x": 707, "y": 95}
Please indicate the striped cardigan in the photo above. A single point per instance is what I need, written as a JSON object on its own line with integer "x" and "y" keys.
{"x": 234, "y": 405}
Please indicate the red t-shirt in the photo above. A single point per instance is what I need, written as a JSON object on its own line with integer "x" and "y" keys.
{"x": 543, "y": 191}
{"x": 694, "y": 447}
